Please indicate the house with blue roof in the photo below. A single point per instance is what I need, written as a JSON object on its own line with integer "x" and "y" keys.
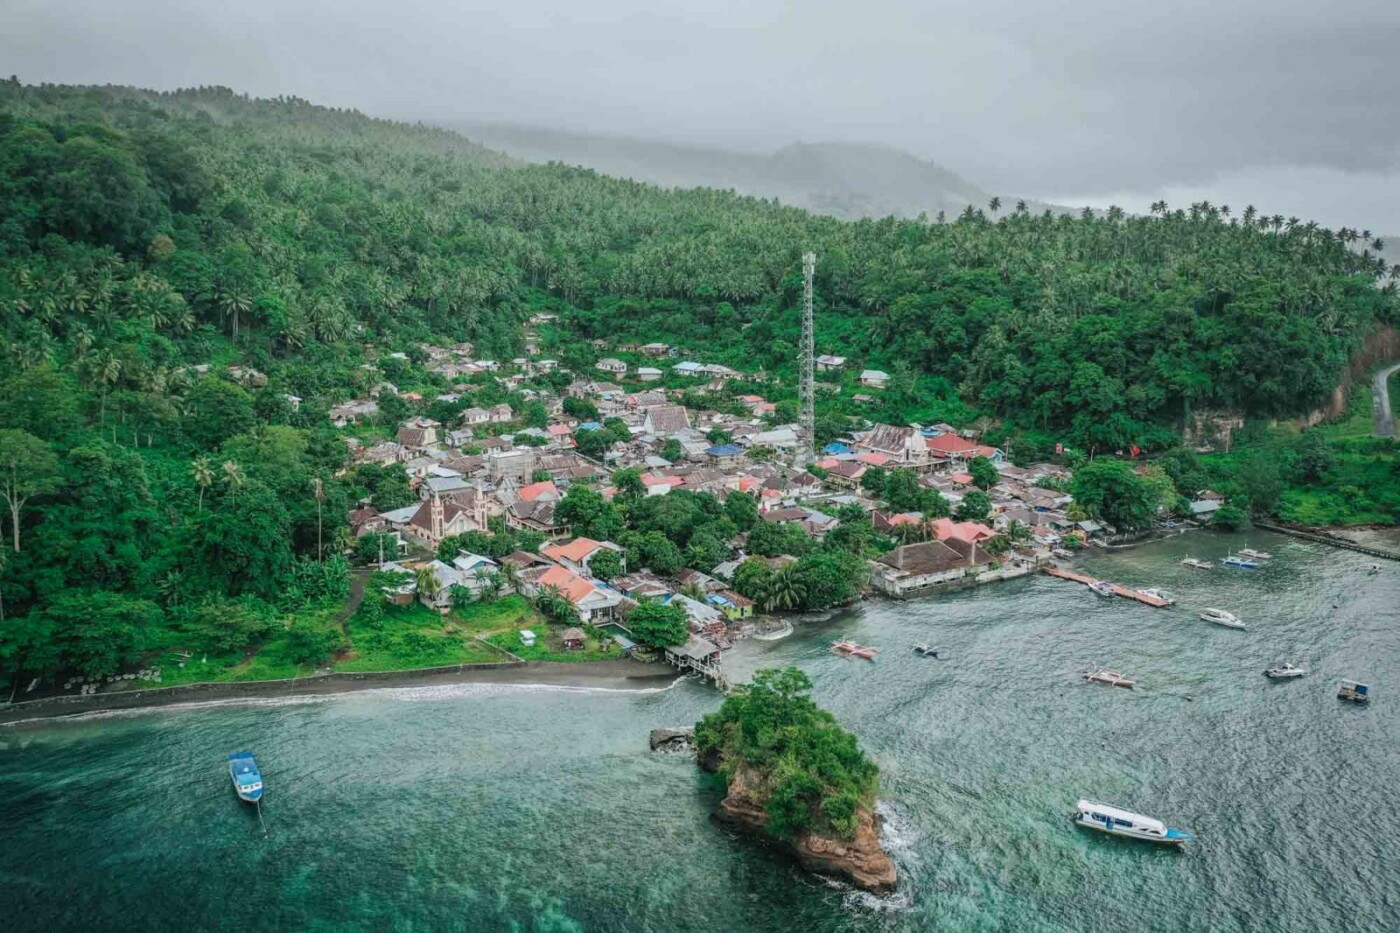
{"x": 725, "y": 454}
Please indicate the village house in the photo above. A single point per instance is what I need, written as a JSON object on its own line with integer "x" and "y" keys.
{"x": 734, "y": 606}
{"x": 501, "y": 413}
{"x": 914, "y": 567}
{"x": 656, "y": 349}
{"x": 468, "y": 571}
{"x": 664, "y": 420}
{"x": 609, "y": 364}
{"x": 353, "y": 411}
{"x": 593, "y": 603}
{"x": 874, "y": 379}
{"x": 517, "y": 465}
{"x": 649, "y": 373}
{"x": 905, "y": 446}
{"x": 577, "y": 554}
{"x": 418, "y": 432}
{"x": 955, "y": 448}
{"x": 827, "y": 364}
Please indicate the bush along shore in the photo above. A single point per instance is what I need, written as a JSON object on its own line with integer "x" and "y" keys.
{"x": 795, "y": 777}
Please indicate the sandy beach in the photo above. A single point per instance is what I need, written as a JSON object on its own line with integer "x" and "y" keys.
{"x": 613, "y": 675}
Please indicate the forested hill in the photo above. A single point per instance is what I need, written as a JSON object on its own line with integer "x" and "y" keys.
{"x": 142, "y": 231}
{"x": 843, "y": 180}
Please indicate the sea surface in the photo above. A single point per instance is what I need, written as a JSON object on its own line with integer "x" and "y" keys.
{"x": 540, "y": 809}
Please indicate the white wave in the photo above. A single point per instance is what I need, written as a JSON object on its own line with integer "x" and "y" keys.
{"x": 454, "y": 691}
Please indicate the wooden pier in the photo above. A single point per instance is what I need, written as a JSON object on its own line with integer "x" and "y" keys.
{"x": 1331, "y": 540}
{"x": 1118, "y": 590}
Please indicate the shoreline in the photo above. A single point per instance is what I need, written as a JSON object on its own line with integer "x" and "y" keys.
{"x": 614, "y": 675}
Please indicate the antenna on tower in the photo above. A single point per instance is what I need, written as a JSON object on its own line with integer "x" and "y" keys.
{"x": 806, "y": 451}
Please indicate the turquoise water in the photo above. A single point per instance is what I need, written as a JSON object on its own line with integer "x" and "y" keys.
{"x": 501, "y": 808}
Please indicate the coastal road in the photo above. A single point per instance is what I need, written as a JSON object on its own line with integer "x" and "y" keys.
{"x": 1385, "y": 418}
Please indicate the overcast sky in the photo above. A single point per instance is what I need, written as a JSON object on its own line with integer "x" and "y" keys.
{"x": 1291, "y": 104}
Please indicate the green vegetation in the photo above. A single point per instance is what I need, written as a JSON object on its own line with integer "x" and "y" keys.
{"x": 549, "y": 645}
{"x": 796, "y": 760}
{"x": 658, "y": 625}
{"x": 189, "y": 281}
{"x": 1114, "y": 492}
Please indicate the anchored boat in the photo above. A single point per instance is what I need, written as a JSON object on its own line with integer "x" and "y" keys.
{"x": 927, "y": 651}
{"x": 1112, "y": 678}
{"x": 1102, "y": 588}
{"x": 1283, "y": 670}
{"x": 1198, "y": 564}
{"x": 1355, "y": 692}
{"x": 852, "y": 650}
{"x": 1221, "y": 617}
{"x": 1245, "y": 563}
{"x": 1118, "y": 822}
{"x": 247, "y": 779}
{"x": 1255, "y": 555}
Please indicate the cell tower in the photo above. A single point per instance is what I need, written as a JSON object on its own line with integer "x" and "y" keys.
{"x": 806, "y": 451}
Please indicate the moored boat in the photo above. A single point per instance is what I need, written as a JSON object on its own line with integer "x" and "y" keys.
{"x": 1112, "y": 678}
{"x": 853, "y": 650}
{"x": 1102, "y": 588}
{"x": 1232, "y": 560}
{"x": 247, "y": 779}
{"x": 1158, "y": 593}
{"x": 1198, "y": 563}
{"x": 1283, "y": 670}
{"x": 927, "y": 651}
{"x": 1119, "y": 822}
{"x": 1254, "y": 555}
{"x": 1221, "y": 617}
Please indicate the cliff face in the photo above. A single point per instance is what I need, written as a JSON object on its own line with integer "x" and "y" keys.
{"x": 859, "y": 860}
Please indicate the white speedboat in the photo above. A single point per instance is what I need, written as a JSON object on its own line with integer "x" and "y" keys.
{"x": 1283, "y": 670}
{"x": 1158, "y": 593}
{"x": 1102, "y": 588}
{"x": 1117, "y": 822}
{"x": 1221, "y": 617}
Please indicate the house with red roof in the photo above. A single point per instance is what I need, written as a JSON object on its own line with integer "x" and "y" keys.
{"x": 577, "y": 553}
{"x": 593, "y": 603}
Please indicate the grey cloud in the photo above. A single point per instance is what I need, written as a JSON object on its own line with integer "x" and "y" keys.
{"x": 1095, "y": 96}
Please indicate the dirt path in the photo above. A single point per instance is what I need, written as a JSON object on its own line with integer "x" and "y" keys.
{"x": 358, "y": 579}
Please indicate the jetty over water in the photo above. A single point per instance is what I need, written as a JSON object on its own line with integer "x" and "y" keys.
{"x": 1118, "y": 590}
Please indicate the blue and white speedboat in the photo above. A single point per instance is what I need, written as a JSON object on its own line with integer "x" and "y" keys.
{"x": 1125, "y": 823}
{"x": 247, "y": 779}
{"x": 1236, "y": 561}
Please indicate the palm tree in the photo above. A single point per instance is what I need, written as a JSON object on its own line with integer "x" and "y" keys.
{"x": 233, "y": 478}
{"x": 510, "y": 574}
{"x": 203, "y": 472}
{"x": 784, "y": 590}
{"x": 425, "y": 578}
{"x": 994, "y": 205}
{"x": 320, "y": 494}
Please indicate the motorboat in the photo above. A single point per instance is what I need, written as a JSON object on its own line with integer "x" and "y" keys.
{"x": 247, "y": 779}
{"x": 1102, "y": 588}
{"x": 1157, "y": 593}
{"x": 1198, "y": 563}
{"x": 1354, "y": 691}
{"x": 1283, "y": 670}
{"x": 927, "y": 651}
{"x": 1112, "y": 678}
{"x": 1233, "y": 560}
{"x": 1374, "y": 569}
{"x": 1221, "y": 617}
{"x": 1254, "y": 555}
{"x": 1125, "y": 823}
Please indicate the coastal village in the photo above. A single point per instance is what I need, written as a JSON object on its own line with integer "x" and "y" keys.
{"x": 982, "y": 519}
